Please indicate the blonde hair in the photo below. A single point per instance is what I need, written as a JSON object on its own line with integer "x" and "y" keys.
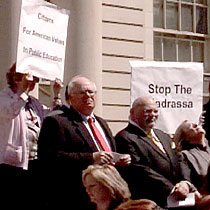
{"x": 110, "y": 178}
{"x": 179, "y": 134}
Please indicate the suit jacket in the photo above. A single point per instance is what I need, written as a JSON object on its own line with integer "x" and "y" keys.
{"x": 65, "y": 148}
{"x": 152, "y": 174}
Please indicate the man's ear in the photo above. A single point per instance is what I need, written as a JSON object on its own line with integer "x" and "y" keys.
{"x": 131, "y": 113}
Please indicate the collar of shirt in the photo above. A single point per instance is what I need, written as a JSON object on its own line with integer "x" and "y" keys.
{"x": 97, "y": 124}
{"x": 135, "y": 124}
{"x": 85, "y": 118}
{"x": 152, "y": 133}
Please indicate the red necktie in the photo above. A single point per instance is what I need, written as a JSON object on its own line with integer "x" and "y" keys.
{"x": 96, "y": 133}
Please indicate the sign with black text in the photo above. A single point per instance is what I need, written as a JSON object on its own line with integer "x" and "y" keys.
{"x": 42, "y": 39}
{"x": 176, "y": 87}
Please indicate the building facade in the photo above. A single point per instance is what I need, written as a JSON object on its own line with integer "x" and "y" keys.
{"x": 103, "y": 36}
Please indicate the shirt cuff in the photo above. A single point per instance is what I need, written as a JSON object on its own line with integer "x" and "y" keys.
{"x": 24, "y": 97}
{"x": 192, "y": 188}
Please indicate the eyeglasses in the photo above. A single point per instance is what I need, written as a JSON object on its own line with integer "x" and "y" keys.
{"x": 150, "y": 111}
{"x": 87, "y": 92}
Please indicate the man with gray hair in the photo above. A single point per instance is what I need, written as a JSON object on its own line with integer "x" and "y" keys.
{"x": 70, "y": 141}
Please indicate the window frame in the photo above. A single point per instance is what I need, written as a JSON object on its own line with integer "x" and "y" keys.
{"x": 194, "y": 4}
{"x": 163, "y": 36}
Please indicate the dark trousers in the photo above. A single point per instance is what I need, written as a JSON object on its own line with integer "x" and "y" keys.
{"x": 12, "y": 187}
{"x": 19, "y": 187}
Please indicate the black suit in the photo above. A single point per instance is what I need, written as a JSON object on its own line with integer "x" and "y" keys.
{"x": 65, "y": 148}
{"x": 152, "y": 174}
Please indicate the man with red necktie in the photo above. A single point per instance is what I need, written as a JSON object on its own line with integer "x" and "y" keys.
{"x": 70, "y": 141}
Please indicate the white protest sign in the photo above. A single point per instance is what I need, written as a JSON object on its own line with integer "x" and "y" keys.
{"x": 176, "y": 87}
{"x": 42, "y": 39}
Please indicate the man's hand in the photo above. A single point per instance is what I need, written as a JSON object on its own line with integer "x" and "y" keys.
{"x": 181, "y": 190}
{"x": 102, "y": 157}
{"x": 125, "y": 160}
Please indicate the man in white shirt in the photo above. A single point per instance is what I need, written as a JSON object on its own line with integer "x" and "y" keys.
{"x": 72, "y": 140}
{"x": 156, "y": 170}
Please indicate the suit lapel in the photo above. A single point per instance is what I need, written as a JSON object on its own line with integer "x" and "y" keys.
{"x": 155, "y": 147}
{"x": 86, "y": 135}
{"x": 81, "y": 129}
{"x": 165, "y": 142}
{"x": 143, "y": 137}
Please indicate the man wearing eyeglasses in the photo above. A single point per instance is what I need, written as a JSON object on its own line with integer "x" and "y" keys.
{"x": 155, "y": 171}
{"x": 72, "y": 140}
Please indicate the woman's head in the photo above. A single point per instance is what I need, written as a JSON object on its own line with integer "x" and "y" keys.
{"x": 188, "y": 131}
{"x": 104, "y": 183}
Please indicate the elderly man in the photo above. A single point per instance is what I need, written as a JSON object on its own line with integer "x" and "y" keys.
{"x": 155, "y": 171}
{"x": 70, "y": 141}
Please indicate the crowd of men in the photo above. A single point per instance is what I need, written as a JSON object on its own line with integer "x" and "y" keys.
{"x": 69, "y": 139}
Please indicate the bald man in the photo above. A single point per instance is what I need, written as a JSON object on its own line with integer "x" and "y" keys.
{"x": 155, "y": 171}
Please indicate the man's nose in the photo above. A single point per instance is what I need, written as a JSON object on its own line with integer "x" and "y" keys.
{"x": 88, "y": 94}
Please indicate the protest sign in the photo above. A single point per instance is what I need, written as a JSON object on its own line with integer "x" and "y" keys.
{"x": 42, "y": 39}
{"x": 176, "y": 87}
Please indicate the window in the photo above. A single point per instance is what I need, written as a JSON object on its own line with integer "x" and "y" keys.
{"x": 181, "y": 48}
{"x": 180, "y": 27}
{"x": 181, "y": 15}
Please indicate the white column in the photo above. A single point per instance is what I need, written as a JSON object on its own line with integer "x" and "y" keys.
{"x": 9, "y": 25}
{"x": 9, "y": 29}
{"x": 84, "y": 44}
{"x": 148, "y": 30}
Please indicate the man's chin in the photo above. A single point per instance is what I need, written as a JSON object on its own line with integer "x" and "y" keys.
{"x": 151, "y": 124}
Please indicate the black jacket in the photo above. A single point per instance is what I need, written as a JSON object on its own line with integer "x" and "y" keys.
{"x": 65, "y": 148}
{"x": 152, "y": 174}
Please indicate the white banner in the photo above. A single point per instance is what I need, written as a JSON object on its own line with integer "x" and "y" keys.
{"x": 176, "y": 87}
{"x": 42, "y": 39}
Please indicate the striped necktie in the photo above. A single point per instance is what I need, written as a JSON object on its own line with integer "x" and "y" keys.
{"x": 157, "y": 142}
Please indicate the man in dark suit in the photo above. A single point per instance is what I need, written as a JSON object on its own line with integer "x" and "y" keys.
{"x": 67, "y": 145}
{"x": 155, "y": 171}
